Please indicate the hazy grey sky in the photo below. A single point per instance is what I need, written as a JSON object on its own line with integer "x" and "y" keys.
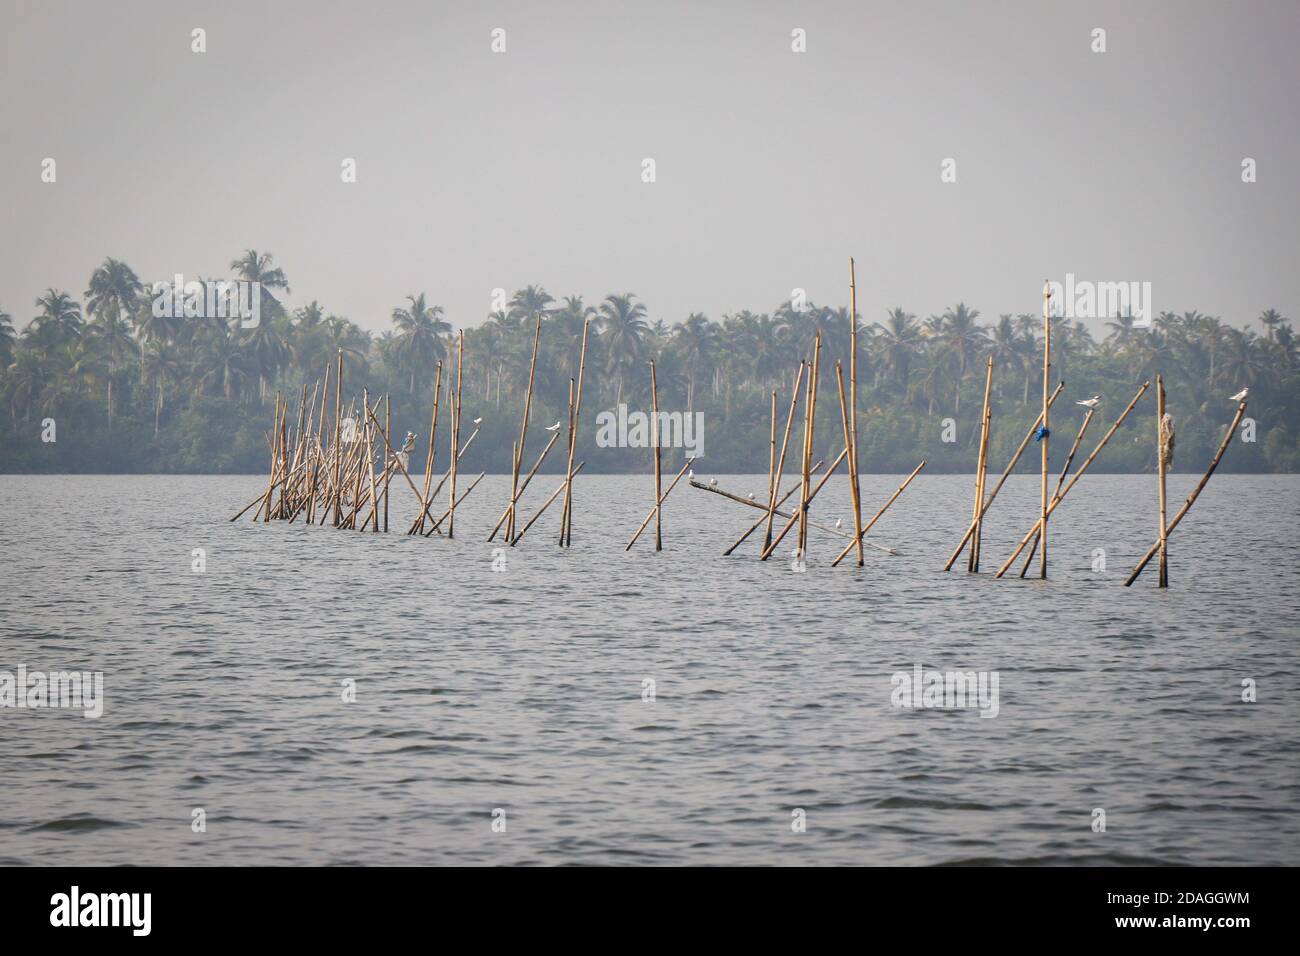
{"x": 478, "y": 170}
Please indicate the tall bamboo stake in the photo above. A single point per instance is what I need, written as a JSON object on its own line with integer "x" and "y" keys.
{"x": 981, "y": 471}
{"x": 1196, "y": 493}
{"x": 654, "y": 437}
{"x": 1047, "y": 368}
{"x": 970, "y": 530}
{"x": 780, "y": 464}
{"x": 1035, "y": 532}
{"x": 388, "y": 432}
{"x": 566, "y": 520}
{"x": 771, "y": 454}
{"x": 1160, "y": 471}
{"x": 338, "y": 436}
{"x": 810, "y": 413}
{"x": 370, "y": 455}
{"x": 455, "y": 435}
{"x": 853, "y": 409}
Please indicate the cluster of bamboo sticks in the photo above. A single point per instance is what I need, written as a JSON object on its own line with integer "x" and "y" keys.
{"x": 1036, "y": 537}
{"x": 807, "y": 378}
{"x": 332, "y": 479}
{"x": 509, "y": 517}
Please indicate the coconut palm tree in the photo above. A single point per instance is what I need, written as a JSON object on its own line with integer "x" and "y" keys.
{"x": 162, "y": 367}
{"x": 529, "y": 302}
{"x": 113, "y": 298}
{"x": 896, "y": 344}
{"x": 59, "y": 320}
{"x": 418, "y": 344}
{"x": 623, "y": 326}
{"x": 7, "y": 339}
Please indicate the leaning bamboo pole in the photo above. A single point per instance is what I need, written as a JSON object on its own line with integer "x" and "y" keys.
{"x": 810, "y": 418}
{"x": 663, "y": 497}
{"x": 981, "y": 472}
{"x": 1046, "y": 433}
{"x": 540, "y": 511}
{"x": 654, "y": 438}
{"x": 1196, "y": 493}
{"x": 455, "y": 435}
{"x": 1160, "y": 472}
{"x": 566, "y": 519}
{"x": 803, "y": 510}
{"x": 853, "y": 409}
{"x": 524, "y": 485}
{"x": 883, "y": 508}
{"x": 750, "y": 503}
{"x": 1060, "y": 480}
{"x": 1006, "y": 472}
{"x": 785, "y": 444}
{"x": 459, "y": 501}
{"x": 431, "y": 452}
{"x": 1034, "y": 532}
{"x": 768, "y": 511}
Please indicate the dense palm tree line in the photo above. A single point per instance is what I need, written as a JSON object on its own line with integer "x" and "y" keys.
{"x": 131, "y": 390}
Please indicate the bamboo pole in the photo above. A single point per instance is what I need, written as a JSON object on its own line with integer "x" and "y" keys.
{"x": 662, "y": 499}
{"x": 524, "y": 486}
{"x": 370, "y": 457}
{"x": 981, "y": 472}
{"x": 654, "y": 437}
{"x": 1034, "y": 532}
{"x": 883, "y": 508}
{"x": 1006, "y": 472}
{"x": 275, "y": 462}
{"x": 430, "y": 452}
{"x": 540, "y": 511}
{"x": 517, "y": 457}
{"x": 749, "y": 503}
{"x": 388, "y": 431}
{"x": 338, "y": 436}
{"x": 767, "y": 552}
{"x": 1065, "y": 470}
{"x": 770, "y": 511}
{"x": 780, "y": 464}
{"x": 1196, "y": 493}
{"x": 810, "y": 417}
{"x": 1047, "y": 434}
{"x": 853, "y": 409}
{"x": 566, "y": 520}
{"x": 455, "y": 435}
{"x": 320, "y": 434}
{"x": 848, "y": 443}
{"x": 771, "y": 452}
{"x": 1160, "y": 471}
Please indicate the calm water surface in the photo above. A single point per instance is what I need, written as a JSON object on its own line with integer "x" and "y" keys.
{"x": 522, "y": 689}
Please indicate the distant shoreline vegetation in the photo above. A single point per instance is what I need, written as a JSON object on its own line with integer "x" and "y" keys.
{"x": 134, "y": 389}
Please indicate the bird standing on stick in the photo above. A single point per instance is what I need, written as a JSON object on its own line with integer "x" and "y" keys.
{"x": 1241, "y": 396}
{"x": 1090, "y": 402}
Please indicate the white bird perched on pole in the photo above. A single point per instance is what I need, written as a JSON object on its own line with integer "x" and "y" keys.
{"x": 690, "y": 475}
{"x": 1090, "y": 402}
{"x": 838, "y": 523}
{"x": 477, "y": 421}
{"x": 713, "y": 482}
{"x": 551, "y": 428}
{"x": 751, "y": 496}
{"x": 1241, "y": 396}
